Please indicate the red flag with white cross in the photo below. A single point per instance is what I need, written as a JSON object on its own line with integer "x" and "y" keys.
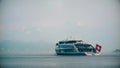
{"x": 98, "y": 47}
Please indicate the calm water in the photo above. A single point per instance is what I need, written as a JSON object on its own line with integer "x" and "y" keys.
{"x": 53, "y": 61}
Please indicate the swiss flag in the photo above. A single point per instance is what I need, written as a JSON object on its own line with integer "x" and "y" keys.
{"x": 98, "y": 47}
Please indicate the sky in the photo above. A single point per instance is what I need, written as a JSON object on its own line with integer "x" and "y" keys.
{"x": 93, "y": 21}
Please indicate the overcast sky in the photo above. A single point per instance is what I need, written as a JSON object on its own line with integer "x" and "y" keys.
{"x": 94, "y": 21}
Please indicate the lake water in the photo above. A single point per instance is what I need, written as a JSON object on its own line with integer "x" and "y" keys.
{"x": 54, "y": 61}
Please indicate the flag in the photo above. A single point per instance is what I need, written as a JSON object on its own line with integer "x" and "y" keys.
{"x": 98, "y": 47}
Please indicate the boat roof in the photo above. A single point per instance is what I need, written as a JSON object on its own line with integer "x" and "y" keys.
{"x": 72, "y": 41}
{"x": 69, "y": 41}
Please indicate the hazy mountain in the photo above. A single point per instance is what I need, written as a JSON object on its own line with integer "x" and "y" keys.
{"x": 10, "y": 47}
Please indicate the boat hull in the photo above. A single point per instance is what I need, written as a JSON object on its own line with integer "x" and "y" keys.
{"x": 82, "y": 54}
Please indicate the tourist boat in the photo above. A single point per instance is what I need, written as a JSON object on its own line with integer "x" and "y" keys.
{"x": 76, "y": 47}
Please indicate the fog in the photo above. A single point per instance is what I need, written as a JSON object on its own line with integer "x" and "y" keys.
{"x": 49, "y": 21}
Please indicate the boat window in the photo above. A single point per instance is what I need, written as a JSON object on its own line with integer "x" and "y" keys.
{"x": 66, "y": 46}
{"x": 66, "y": 42}
{"x": 61, "y": 42}
{"x": 71, "y": 42}
{"x": 83, "y": 46}
{"x": 56, "y": 44}
{"x": 85, "y": 50}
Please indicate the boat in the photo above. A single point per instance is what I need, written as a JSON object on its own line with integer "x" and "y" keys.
{"x": 76, "y": 47}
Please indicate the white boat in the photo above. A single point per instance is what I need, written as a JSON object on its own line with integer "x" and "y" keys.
{"x": 76, "y": 47}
